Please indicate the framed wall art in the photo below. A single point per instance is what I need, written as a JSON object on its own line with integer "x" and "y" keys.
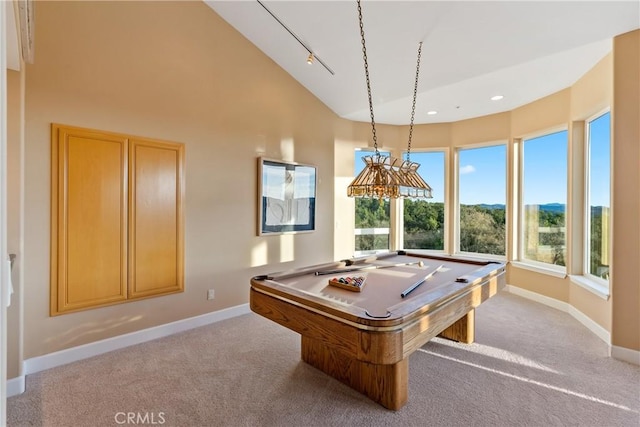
{"x": 286, "y": 197}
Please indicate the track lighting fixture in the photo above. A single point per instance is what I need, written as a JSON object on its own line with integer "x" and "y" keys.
{"x": 312, "y": 57}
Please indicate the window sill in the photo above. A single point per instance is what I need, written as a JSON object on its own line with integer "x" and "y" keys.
{"x": 598, "y": 289}
{"x": 483, "y": 257}
{"x": 540, "y": 269}
{"x": 426, "y": 251}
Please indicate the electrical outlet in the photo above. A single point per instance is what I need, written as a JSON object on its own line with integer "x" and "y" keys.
{"x": 211, "y": 293}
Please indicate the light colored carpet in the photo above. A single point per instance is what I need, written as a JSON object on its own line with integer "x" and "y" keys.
{"x": 531, "y": 365}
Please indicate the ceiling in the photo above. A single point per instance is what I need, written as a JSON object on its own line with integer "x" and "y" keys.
{"x": 472, "y": 50}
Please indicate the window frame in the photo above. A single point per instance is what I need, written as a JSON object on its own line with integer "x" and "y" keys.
{"x": 456, "y": 200}
{"x": 600, "y": 284}
{"x": 446, "y": 226}
{"x": 529, "y": 264}
{"x": 358, "y": 157}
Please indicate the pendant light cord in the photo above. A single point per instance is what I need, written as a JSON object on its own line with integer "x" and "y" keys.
{"x": 413, "y": 107}
{"x": 366, "y": 72}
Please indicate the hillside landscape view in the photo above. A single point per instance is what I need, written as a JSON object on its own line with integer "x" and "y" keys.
{"x": 482, "y": 229}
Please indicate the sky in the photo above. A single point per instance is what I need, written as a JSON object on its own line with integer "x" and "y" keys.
{"x": 600, "y": 161}
{"x": 483, "y": 170}
{"x": 545, "y": 169}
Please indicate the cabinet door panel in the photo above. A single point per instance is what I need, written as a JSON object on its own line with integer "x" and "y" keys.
{"x": 155, "y": 221}
{"x": 90, "y": 256}
{"x": 116, "y": 218}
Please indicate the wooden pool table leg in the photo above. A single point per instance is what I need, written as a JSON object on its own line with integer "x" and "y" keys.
{"x": 463, "y": 330}
{"x": 386, "y": 384}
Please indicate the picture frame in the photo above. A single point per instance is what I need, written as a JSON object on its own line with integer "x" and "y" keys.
{"x": 286, "y": 197}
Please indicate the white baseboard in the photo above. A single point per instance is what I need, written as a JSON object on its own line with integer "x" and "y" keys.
{"x": 16, "y": 386}
{"x": 62, "y": 357}
{"x": 598, "y": 330}
{"x": 620, "y": 353}
{"x": 625, "y": 354}
{"x": 551, "y": 302}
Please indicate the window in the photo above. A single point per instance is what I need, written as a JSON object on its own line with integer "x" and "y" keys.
{"x": 371, "y": 216}
{"x": 424, "y": 218}
{"x": 482, "y": 197}
{"x": 544, "y": 196}
{"x": 598, "y": 200}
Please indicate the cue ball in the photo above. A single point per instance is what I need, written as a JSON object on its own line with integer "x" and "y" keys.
{"x": 421, "y": 264}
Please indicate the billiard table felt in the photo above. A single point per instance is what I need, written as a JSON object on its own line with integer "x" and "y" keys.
{"x": 380, "y": 302}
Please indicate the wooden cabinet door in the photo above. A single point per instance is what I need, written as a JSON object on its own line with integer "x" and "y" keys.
{"x": 155, "y": 218}
{"x": 116, "y": 218}
{"x": 89, "y": 219}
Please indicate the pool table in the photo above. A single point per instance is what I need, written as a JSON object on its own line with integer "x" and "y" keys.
{"x": 363, "y": 337}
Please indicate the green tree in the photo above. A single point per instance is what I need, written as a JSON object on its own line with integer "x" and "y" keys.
{"x": 479, "y": 231}
{"x": 423, "y": 225}
{"x": 596, "y": 266}
{"x": 371, "y": 213}
{"x": 554, "y": 239}
{"x": 482, "y": 230}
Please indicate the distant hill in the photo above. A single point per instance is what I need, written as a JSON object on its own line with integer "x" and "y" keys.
{"x": 553, "y": 207}
{"x": 549, "y": 207}
{"x": 496, "y": 206}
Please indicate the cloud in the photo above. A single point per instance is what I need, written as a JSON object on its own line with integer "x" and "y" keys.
{"x": 467, "y": 169}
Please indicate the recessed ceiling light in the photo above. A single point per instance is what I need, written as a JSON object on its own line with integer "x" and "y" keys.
{"x": 432, "y": 112}
{"x": 497, "y": 97}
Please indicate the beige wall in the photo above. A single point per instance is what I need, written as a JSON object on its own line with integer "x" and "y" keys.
{"x": 625, "y": 273}
{"x": 173, "y": 71}
{"x": 493, "y": 128}
{"x": 550, "y": 112}
{"x": 593, "y": 92}
{"x": 177, "y": 71}
{"x": 590, "y": 95}
{"x": 14, "y": 216}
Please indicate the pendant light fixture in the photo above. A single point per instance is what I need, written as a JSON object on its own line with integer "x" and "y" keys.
{"x": 385, "y": 176}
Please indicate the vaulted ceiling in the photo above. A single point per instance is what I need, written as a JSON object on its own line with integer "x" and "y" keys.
{"x": 472, "y": 50}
